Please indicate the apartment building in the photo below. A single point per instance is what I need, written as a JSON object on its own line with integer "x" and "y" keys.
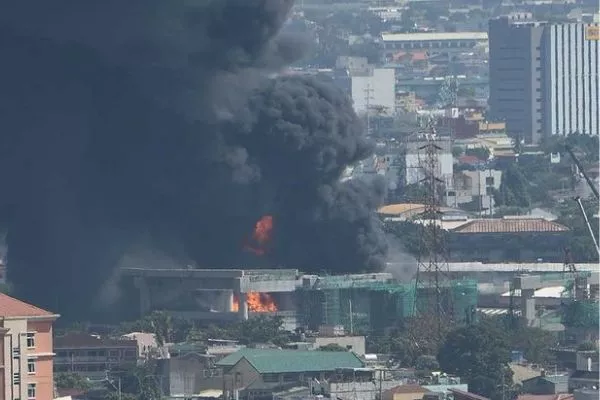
{"x": 91, "y": 355}
{"x": 26, "y": 352}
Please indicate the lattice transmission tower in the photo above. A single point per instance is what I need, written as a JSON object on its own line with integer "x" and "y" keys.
{"x": 433, "y": 290}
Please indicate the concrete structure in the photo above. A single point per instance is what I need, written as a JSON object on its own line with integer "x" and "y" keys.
{"x": 474, "y": 186}
{"x": 543, "y": 77}
{"x": 515, "y": 79}
{"x": 26, "y": 351}
{"x": 355, "y": 344}
{"x": 189, "y": 373}
{"x": 371, "y": 89}
{"x": 570, "y": 76}
{"x": 405, "y": 392}
{"x": 91, "y": 356}
{"x": 435, "y": 42}
{"x": 210, "y": 294}
{"x": 146, "y": 343}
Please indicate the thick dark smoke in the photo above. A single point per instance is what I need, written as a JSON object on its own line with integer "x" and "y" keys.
{"x": 128, "y": 119}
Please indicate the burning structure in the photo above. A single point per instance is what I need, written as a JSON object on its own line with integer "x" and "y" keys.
{"x": 168, "y": 126}
{"x": 360, "y": 302}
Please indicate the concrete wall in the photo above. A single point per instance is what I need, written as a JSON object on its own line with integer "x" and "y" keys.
{"x": 379, "y": 88}
{"x": 40, "y": 354}
{"x": 189, "y": 374}
{"x": 239, "y": 376}
{"x": 415, "y": 160}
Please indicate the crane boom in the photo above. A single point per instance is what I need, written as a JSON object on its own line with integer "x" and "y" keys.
{"x": 587, "y": 178}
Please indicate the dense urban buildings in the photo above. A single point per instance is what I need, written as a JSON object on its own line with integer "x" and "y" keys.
{"x": 543, "y": 77}
{"x": 25, "y": 351}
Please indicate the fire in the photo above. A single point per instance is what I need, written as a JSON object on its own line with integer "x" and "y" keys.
{"x": 261, "y": 236}
{"x": 257, "y": 302}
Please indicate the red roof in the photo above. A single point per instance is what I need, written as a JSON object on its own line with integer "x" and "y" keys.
{"x": 467, "y": 395}
{"x": 506, "y": 225}
{"x": 419, "y": 56}
{"x": 11, "y": 307}
{"x": 469, "y": 160}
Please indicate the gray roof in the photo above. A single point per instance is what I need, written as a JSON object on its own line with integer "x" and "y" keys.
{"x": 281, "y": 361}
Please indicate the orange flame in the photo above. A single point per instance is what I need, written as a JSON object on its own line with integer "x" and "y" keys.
{"x": 257, "y": 302}
{"x": 261, "y": 235}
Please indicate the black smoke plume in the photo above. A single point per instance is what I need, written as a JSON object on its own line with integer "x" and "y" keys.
{"x": 122, "y": 119}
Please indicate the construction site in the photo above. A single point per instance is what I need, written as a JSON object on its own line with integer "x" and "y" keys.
{"x": 554, "y": 296}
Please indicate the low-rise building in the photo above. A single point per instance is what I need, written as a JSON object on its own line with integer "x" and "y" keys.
{"x": 546, "y": 384}
{"x": 25, "y": 351}
{"x": 188, "y": 371}
{"x": 508, "y": 239}
{"x": 91, "y": 356}
{"x": 258, "y": 373}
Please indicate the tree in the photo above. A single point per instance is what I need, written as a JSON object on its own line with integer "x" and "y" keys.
{"x": 480, "y": 353}
{"x": 513, "y": 190}
{"x": 457, "y": 151}
{"x": 426, "y": 363}
{"x": 482, "y": 153}
{"x": 332, "y": 347}
{"x": 71, "y": 380}
{"x": 587, "y": 346}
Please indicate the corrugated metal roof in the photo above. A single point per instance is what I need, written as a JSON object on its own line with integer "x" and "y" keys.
{"x": 510, "y": 226}
{"x": 439, "y": 36}
{"x": 281, "y": 361}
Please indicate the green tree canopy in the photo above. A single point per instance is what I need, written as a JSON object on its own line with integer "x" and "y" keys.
{"x": 332, "y": 347}
{"x": 514, "y": 189}
{"x": 480, "y": 353}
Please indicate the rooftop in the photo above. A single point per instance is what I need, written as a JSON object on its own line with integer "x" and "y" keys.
{"x": 504, "y": 225}
{"x": 13, "y": 308}
{"x": 556, "y": 379}
{"x": 468, "y": 395}
{"x": 564, "y": 396}
{"x": 281, "y": 361}
{"x": 84, "y": 340}
{"x": 428, "y": 36}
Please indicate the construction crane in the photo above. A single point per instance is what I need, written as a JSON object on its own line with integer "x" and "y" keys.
{"x": 578, "y": 199}
{"x": 582, "y": 171}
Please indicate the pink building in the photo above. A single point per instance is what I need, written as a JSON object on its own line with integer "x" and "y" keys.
{"x": 26, "y": 352}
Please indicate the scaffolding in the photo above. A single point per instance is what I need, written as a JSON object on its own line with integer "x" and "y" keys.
{"x": 372, "y": 306}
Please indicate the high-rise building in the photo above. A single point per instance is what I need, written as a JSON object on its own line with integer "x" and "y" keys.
{"x": 570, "y": 79}
{"x": 515, "y": 79}
{"x": 543, "y": 77}
{"x": 26, "y": 351}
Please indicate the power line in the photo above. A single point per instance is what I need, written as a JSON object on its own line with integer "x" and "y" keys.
{"x": 433, "y": 293}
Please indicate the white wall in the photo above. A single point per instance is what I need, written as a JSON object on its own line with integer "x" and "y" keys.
{"x": 380, "y": 87}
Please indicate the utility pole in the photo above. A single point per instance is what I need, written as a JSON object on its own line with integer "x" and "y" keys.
{"x": 368, "y": 97}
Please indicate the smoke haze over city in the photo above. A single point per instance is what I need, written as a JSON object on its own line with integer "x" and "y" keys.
{"x": 122, "y": 120}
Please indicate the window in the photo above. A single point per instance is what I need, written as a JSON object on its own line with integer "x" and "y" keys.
{"x": 30, "y": 340}
{"x": 269, "y": 378}
{"x": 16, "y": 378}
{"x": 489, "y": 180}
{"x": 31, "y": 390}
{"x": 31, "y": 365}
